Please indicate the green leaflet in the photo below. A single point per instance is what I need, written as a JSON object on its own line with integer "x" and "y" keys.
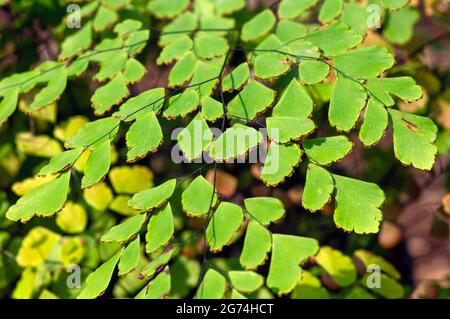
{"x": 8, "y": 105}
{"x": 252, "y": 100}
{"x": 182, "y": 104}
{"x": 160, "y": 229}
{"x": 167, "y": 9}
{"x": 210, "y": 46}
{"x": 147, "y": 102}
{"x": 195, "y": 138}
{"x": 225, "y": 221}
{"x": 61, "y": 162}
{"x": 213, "y": 286}
{"x": 280, "y": 163}
{"x": 158, "y": 288}
{"x": 313, "y": 72}
{"x": 134, "y": 71}
{"x": 97, "y": 166}
{"x": 130, "y": 257}
{"x": 76, "y": 42}
{"x": 304, "y": 50}
{"x": 136, "y": 41}
{"x": 291, "y": 9}
{"x": 288, "y": 30}
{"x": 330, "y": 9}
{"x": 154, "y": 197}
{"x": 27, "y": 79}
{"x": 94, "y": 131}
{"x": 175, "y": 50}
{"x": 295, "y": 101}
{"x": 400, "y": 25}
{"x": 235, "y": 142}
{"x": 326, "y": 150}
{"x": 196, "y": 198}
{"x": 211, "y": 109}
{"x": 216, "y": 22}
{"x": 359, "y": 17}
{"x": 347, "y": 101}
{"x": 162, "y": 259}
{"x": 284, "y": 129}
{"x": 237, "y": 78}
{"x": 183, "y": 69}
{"x": 319, "y": 186}
{"x": 338, "y": 265}
{"x": 186, "y": 21}
{"x": 206, "y": 75}
{"x": 270, "y": 65}
{"x": 287, "y": 253}
{"x": 44, "y": 200}
{"x": 375, "y": 123}
{"x": 98, "y": 281}
{"x": 258, "y": 26}
{"x": 55, "y": 87}
{"x": 246, "y": 281}
{"x": 413, "y": 139}
{"x": 125, "y": 230}
{"x": 403, "y": 87}
{"x": 354, "y": 63}
{"x": 127, "y": 26}
{"x": 104, "y": 18}
{"x": 143, "y": 137}
{"x": 264, "y": 209}
{"x": 334, "y": 39}
{"x": 357, "y": 205}
{"x": 110, "y": 94}
{"x": 110, "y": 67}
{"x": 257, "y": 245}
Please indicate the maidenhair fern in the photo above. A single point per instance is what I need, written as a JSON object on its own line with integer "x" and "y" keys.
{"x": 281, "y": 59}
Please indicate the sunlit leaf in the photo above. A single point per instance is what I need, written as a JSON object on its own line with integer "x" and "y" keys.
{"x": 326, "y": 150}
{"x": 252, "y": 100}
{"x": 413, "y": 138}
{"x": 154, "y": 197}
{"x": 258, "y": 26}
{"x": 280, "y": 163}
{"x": 160, "y": 228}
{"x": 98, "y": 281}
{"x": 357, "y": 205}
{"x": 319, "y": 186}
{"x": 143, "y": 137}
{"x": 213, "y": 286}
{"x": 224, "y": 222}
{"x": 198, "y": 197}
{"x": 264, "y": 209}
{"x": 287, "y": 253}
{"x": 125, "y": 230}
{"x": 257, "y": 245}
{"x": 44, "y": 200}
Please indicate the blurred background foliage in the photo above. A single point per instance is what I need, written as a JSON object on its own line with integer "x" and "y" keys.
{"x": 414, "y": 236}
